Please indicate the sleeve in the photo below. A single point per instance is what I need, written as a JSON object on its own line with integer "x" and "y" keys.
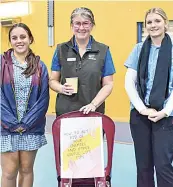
{"x": 132, "y": 60}
{"x": 55, "y": 62}
{"x": 168, "y": 109}
{"x": 130, "y": 86}
{"x": 8, "y": 120}
{"x": 40, "y": 108}
{"x": 108, "y": 68}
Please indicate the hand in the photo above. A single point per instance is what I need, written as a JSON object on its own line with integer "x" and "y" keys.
{"x": 20, "y": 130}
{"x": 88, "y": 108}
{"x": 157, "y": 116}
{"x": 148, "y": 111}
{"x": 67, "y": 89}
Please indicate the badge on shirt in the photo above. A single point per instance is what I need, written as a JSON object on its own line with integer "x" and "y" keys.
{"x": 71, "y": 59}
{"x": 91, "y": 57}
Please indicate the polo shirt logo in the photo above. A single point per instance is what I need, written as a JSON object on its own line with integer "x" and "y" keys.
{"x": 91, "y": 57}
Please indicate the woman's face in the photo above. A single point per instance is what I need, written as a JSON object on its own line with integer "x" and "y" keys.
{"x": 81, "y": 27}
{"x": 19, "y": 40}
{"x": 155, "y": 25}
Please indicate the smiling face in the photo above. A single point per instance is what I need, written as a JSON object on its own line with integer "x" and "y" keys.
{"x": 155, "y": 25}
{"x": 81, "y": 27}
{"x": 20, "y": 40}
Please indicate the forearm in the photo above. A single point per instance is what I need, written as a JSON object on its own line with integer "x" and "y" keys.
{"x": 169, "y": 105}
{"x": 102, "y": 94}
{"x": 55, "y": 85}
{"x": 130, "y": 86}
{"x": 37, "y": 111}
{"x": 8, "y": 120}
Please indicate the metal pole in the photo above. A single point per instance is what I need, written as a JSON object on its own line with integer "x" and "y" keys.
{"x": 50, "y": 12}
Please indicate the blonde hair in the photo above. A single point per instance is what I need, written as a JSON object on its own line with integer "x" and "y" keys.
{"x": 160, "y": 12}
{"x": 84, "y": 12}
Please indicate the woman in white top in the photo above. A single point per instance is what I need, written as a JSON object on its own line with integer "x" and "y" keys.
{"x": 149, "y": 85}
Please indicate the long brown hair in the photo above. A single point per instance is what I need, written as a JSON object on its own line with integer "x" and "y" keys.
{"x": 31, "y": 59}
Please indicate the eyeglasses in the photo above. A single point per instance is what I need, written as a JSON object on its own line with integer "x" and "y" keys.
{"x": 85, "y": 24}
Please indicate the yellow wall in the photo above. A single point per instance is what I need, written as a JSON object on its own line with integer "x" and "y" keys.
{"x": 115, "y": 26}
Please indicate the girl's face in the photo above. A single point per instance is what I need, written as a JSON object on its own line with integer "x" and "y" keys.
{"x": 155, "y": 25}
{"x": 20, "y": 40}
{"x": 81, "y": 27}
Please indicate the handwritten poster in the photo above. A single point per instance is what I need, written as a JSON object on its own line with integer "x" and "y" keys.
{"x": 81, "y": 147}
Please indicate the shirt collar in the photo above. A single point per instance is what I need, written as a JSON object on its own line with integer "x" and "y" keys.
{"x": 89, "y": 45}
{"x": 17, "y": 63}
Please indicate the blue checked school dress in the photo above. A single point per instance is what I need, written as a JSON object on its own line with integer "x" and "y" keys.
{"x": 22, "y": 142}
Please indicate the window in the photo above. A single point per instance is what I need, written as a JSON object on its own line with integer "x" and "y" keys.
{"x": 14, "y": 9}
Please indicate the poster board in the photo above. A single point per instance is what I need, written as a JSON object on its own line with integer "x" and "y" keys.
{"x": 81, "y": 147}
